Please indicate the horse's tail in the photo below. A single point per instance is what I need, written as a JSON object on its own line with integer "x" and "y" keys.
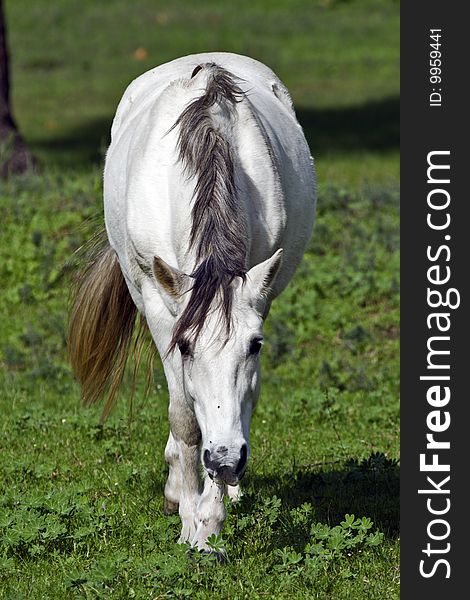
{"x": 102, "y": 321}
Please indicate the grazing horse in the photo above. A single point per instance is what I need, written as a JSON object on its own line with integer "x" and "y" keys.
{"x": 209, "y": 197}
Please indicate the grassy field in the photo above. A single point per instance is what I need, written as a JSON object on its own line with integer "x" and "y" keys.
{"x": 80, "y": 503}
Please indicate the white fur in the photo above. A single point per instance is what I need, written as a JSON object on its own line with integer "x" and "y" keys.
{"x": 148, "y": 203}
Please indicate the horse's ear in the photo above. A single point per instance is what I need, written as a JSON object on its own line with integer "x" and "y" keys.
{"x": 172, "y": 281}
{"x": 260, "y": 278}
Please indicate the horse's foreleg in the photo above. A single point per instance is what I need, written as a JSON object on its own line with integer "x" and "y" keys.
{"x": 210, "y": 513}
{"x": 174, "y": 481}
{"x": 234, "y": 493}
{"x": 183, "y": 450}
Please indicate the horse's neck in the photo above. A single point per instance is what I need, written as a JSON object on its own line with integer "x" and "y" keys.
{"x": 260, "y": 192}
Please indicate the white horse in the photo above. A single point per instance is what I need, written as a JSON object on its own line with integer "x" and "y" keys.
{"x": 209, "y": 195}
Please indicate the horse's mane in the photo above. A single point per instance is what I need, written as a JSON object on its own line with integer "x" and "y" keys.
{"x": 218, "y": 231}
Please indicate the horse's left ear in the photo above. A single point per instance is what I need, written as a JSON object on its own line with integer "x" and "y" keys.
{"x": 172, "y": 280}
{"x": 173, "y": 283}
{"x": 261, "y": 277}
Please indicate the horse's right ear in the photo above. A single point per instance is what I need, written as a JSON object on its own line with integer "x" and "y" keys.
{"x": 171, "y": 281}
{"x": 260, "y": 279}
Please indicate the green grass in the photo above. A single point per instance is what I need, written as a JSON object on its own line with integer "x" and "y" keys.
{"x": 81, "y": 504}
{"x": 339, "y": 58}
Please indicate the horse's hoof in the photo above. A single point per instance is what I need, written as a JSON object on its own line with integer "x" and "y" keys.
{"x": 220, "y": 557}
{"x": 169, "y": 507}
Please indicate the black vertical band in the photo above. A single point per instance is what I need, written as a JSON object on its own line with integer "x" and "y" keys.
{"x": 435, "y": 357}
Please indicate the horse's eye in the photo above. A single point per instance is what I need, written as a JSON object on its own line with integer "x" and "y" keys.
{"x": 255, "y": 345}
{"x": 184, "y": 348}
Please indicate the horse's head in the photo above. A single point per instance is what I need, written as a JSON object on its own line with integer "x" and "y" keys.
{"x": 221, "y": 372}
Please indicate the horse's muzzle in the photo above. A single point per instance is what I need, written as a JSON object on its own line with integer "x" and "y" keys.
{"x": 218, "y": 469}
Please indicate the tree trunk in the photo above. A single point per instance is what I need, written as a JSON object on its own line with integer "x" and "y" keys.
{"x": 14, "y": 154}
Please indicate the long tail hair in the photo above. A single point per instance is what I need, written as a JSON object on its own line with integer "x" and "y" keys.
{"x": 101, "y": 325}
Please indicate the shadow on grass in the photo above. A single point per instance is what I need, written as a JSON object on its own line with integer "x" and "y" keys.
{"x": 78, "y": 147}
{"x": 369, "y": 488}
{"x": 372, "y": 126}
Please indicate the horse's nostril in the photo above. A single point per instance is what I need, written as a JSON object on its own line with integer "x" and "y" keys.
{"x": 243, "y": 458}
{"x": 206, "y": 458}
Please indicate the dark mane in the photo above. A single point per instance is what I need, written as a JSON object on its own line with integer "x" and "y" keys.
{"x": 218, "y": 231}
